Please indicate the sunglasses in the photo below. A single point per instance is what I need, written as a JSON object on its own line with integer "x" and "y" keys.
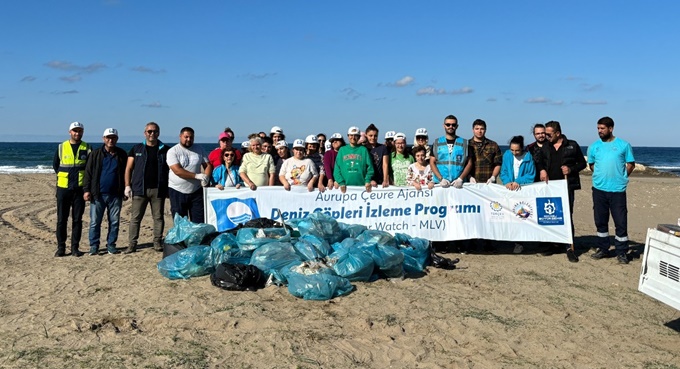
{"x": 228, "y": 155}
{"x": 152, "y": 131}
{"x": 451, "y": 124}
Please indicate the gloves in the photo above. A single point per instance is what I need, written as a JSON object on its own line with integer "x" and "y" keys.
{"x": 445, "y": 183}
{"x": 458, "y": 183}
{"x": 128, "y": 192}
{"x": 203, "y": 178}
{"x": 491, "y": 180}
{"x": 473, "y": 180}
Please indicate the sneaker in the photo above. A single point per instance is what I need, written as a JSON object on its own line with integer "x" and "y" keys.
{"x": 113, "y": 251}
{"x": 622, "y": 259}
{"x": 94, "y": 252}
{"x": 158, "y": 247}
{"x": 600, "y": 254}
{"x": 519, "y": 248}
{"x": 571, "y": 256}
{"x": 130, "y": 250}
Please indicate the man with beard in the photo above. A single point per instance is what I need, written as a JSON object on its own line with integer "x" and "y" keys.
{"x": 611, "y": 160}
{"x": 381, "y": 158}
{"x": 535, "y": 147}
{"x": 190, "y": 171}
{"x": 561, "y": 157}
{"x": 449, "y": 159}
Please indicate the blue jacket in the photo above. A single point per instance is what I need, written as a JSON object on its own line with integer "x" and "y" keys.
{"x": 527, "y": 169}
{"x": 220, "y": 176}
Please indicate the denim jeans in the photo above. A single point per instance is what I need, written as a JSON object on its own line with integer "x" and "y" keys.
{"x": 111, "y": 204}
{"x": 137, "y": 211}
{"x": 187, "y": 204}
{"x": 605, "y": 203}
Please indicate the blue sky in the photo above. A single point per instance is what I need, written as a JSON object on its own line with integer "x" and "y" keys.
{"x": 320, "y": 66}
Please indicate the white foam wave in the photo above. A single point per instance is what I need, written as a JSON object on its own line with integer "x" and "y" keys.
{"x": 11, "y": 169}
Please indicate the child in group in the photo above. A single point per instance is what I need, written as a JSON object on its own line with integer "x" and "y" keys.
{"x": 419, "y": 173}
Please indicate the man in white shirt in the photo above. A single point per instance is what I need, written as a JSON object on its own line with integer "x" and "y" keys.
{"x": 190, "y": 171}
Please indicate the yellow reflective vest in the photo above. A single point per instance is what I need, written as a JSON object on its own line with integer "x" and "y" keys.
{"x": 71, "y": 164}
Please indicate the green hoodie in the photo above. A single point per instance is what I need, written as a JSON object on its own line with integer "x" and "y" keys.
{"x": 353, "y": 166}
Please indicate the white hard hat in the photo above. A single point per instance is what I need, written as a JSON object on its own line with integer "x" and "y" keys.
{"x": 299, "y": 143}
{"x": 311, "y": 139}
{"x": 421, "y": 132}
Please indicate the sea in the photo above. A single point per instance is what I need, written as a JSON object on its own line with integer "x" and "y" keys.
{"x": 36, "y": 157}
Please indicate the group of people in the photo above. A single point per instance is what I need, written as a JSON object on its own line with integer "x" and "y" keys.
{"x": 151, "y": 172}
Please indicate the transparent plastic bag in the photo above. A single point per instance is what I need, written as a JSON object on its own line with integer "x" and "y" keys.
{"x": 311, "y": 247}
{"x": 252, "y": 238}
{"x": 352, "y": 263}
{"x": 321, "y": 225}
{"x": 188, "y": 232}
{"x": 273, "y": 257}
{"x": 316, "y": 281}
{"x": 193, "y": 261}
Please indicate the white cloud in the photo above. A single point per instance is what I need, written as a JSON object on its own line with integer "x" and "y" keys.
{"x": 537, "y": 100}
{"x": 350, "y": 93}
{"x": 253, "y": 76}
{"x": 67, "y": 92}
{"x": 70, "y": 79}
{"x": 68, "y": 66}
{"x": 143, "y": 69}
{"x": 405, "y": 81}
{"x": 430, "y": 90}
{"x": 28, "y": 79}
{"x": 154, "y": 104}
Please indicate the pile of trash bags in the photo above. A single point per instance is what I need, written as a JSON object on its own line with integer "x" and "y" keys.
{"x": 316, "y": 257}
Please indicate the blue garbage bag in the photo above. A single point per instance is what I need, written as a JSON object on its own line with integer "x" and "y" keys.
{"x": 346, "y": 243}
{"x": 388, "y": 259}
{"x": 188, "y": 232}
{"x": 351, "y": 230}
{"x": 314, "y": 282}
{"x": 311, "y": 247}
{"x": 252, "y": 238}
{"x": 273, "y": 257}
{"x": 416, "y": 252}
{"x": 352, "y": 263}
{"x": 374, "y": 237}
{"x": 232, "y": 253}
{"x": 321, "y": 225}
{"x": 193, "y": 261}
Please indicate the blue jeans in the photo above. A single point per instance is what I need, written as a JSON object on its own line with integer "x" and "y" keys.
{"x": 112, "y": 205}
{"x": 605, "y": 203}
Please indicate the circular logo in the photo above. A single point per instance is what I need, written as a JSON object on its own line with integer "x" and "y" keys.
{"x": 238, "y": 213}
{"x": 522, "y": 210}
{"x": 496, "y": 206}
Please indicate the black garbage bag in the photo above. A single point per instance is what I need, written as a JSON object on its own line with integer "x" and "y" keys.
{"x": 441, "y": 262}
{"x": 238, "y": 277}
{"x": 171, "y": 248}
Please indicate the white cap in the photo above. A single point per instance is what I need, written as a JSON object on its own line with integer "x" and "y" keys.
{"x": 327, "y": 146}
{"x": 335, "y": 136}
{"x": 110, "y": 132}
{"x": 76, "y": 125}
{"x": 276, "y": 129}
{"x": 245, "y": 144}
{"x": 353, "y": 131}
{"x": 280, "y": 143}
{"x": 399, "y": 135}
{"x": 311, "y": 139}
{"x": 389, "y": 134}
{"x": 421, "y": 132}
{"x": 299, "y": 143}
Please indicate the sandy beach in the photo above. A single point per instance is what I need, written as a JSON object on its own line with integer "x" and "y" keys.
{"x": 496, "y": 311}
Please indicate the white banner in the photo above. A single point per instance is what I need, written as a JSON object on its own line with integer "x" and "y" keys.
{"x": 537, "y": 212}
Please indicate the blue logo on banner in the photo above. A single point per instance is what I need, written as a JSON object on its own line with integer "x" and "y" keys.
{"x": 550, "y": 211}
{"x": 232, "y": 212}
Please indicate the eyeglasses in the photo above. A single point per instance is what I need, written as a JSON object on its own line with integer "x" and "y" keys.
{"x": 548, "y": 135}
{"x": 152, "y": 131}
{"x": 451, "y": 124}
{"x": 539, "y": 133}
{"x": 228, "y": 155}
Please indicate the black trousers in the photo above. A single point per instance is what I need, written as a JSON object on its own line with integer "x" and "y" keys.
{"x": 614, "y": 203}
{"x": 187, "y": 204}
{"x": 69, "y": 202}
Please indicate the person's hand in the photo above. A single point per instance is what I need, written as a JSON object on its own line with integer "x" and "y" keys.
{"x": 336, "y": 185}
{"x": 322, "y": 188}
{"x": 565, "y": 170}
{"x": 513, "y": 186}
{"x": 445, "y": 183}
{"x": 491, "y": 180}
{"x": 286, "y": 186}
{"x": 417, "y": 186}
{"x": 430, "y": 185}
{"x": 128, "y": 192}
{"x": 252, "y": 186}
{"x": 331, "y": 184}
{"x": 310, "y": 187}
{"x": 386, "y": 184}
{"x": 237, "y": 186}
{"x": 544, "y": 176}
{"x": 343, "y": 189}
{"x": 87, "y": 197}
{"x": 473, "y": 180}
{"x": 374, "y": 184}
{"x": 458, "y": 183}
{"x": 219, "y": 187}
{"x": 369, "y": 186}
{"x": 205, "y": 181}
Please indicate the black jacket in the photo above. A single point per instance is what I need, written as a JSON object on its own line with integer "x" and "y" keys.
{"x": 93, "y": 170}
{"x": 572, "y": 157}
{"x": 137, "y": 180}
